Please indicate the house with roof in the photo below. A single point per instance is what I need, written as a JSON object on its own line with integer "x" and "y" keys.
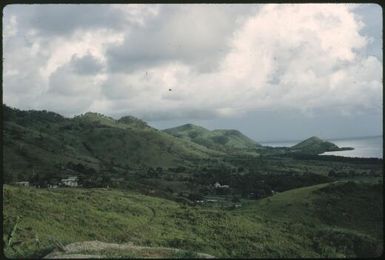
{"x": 22, "y": 183}
{"x": 217, "y": 185}
{"x": 70, "y": 181}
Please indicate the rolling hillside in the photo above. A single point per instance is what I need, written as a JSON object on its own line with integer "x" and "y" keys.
{"x": 45, "y": 142}
{"x": 328, "y": 220}
{"x": 343, "y": 219}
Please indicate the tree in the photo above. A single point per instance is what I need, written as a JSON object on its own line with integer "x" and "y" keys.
{"x": 235, "y": 199}
{"x": 35, "y": 178}
{"x": 159, "y": 170}
{"x": 332, "y": 173}
{"x": 106, "y": 180}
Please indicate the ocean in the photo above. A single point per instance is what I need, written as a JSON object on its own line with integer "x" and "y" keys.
{"x": 365, "y": 147}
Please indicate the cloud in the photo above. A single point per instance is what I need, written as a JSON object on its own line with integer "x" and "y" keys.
{"x": 64, "y": 19}
{"x": 66, "y": 81}
{"x": 193, "y": 34}
{"x": 163, "y": 62}
{"x": 86, "y": 64}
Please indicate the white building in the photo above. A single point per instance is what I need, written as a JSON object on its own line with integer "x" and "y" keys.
{"x": 23, "y": 183}
{"x": 218, "y": 185}
{"x": 70, "y": 181}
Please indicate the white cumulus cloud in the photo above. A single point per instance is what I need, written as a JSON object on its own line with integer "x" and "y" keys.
{"x": 195, "y": 61}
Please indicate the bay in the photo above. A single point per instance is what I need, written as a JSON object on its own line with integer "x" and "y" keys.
{"x": 364, "y": 147}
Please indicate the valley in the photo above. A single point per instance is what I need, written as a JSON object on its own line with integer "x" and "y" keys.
{"x": 188, "y": 189}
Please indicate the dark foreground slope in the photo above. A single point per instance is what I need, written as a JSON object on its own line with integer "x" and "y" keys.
{"x": 345, "y": 218}
{"x": 329, "y": 220}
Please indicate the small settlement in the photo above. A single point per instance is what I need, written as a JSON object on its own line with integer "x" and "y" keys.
{"x": 68, "y": 182}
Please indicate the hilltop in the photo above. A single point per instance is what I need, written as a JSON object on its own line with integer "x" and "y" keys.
{"x": 315, "y": 145}
{"x": 220, "y": 139}
{"x": 125, "y": 122}
{"x": 46, "y": 143}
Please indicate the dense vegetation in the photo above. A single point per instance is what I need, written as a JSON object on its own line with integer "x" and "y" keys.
{"x": 220, "y": 139}
{"x": 296, "y": 223}
{"x": 216, "y": 192}
{"x": 315, "y": 145}
{"x": 39, "y": 142}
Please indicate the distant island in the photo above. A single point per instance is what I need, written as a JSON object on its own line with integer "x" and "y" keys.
{"x": 315, "y": 145}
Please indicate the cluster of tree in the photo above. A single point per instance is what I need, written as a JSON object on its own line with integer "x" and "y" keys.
{"x": 255, "y": 183}
{"x": 351, "y": 173}
{"x": 154, "y": 172}
{"x": 30, "y": 117}
{"x": 334, "y": 158}
{"x": 79, "y": 167}
{"x": 179, "y": 169}
{"x": 96, "y": 181}
{"x": 43, "y": 177}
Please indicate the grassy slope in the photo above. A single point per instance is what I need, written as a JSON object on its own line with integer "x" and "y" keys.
{"x": 289, "y": 224}
{"x": 97, "y": 249}
{"x": 41, "y": 140}
{"x": 348, "y": 216}
{"x": 315, "y": 145}
{"x": 217, "y": 139}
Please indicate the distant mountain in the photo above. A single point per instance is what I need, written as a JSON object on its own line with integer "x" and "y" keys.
{"x": 315, "y": 145}
{"x": 220, "y": 139}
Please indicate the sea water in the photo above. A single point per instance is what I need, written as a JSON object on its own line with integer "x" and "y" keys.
{"x": 368, "y": 147}
{"x": 364, "y": 147}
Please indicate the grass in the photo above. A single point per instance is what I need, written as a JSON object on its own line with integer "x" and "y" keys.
{"x": 127, "y": 250}
{"x": 350, "y": 205}
{"x": 217, "y": 139}
{"x": 289, "y": 224}
{"x": 36, "y": 140}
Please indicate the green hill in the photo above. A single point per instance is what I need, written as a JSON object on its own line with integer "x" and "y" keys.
{"x": 329, "y": 220}
{"x": 126, "y": 122}
{"x": 223, "y": 140}
{"x": 315, "y": 145}
{"x": 45, "y": 143}
{"x": 343, "y": 219}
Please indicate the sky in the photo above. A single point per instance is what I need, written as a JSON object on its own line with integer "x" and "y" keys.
{"x": 272, "y": 71}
